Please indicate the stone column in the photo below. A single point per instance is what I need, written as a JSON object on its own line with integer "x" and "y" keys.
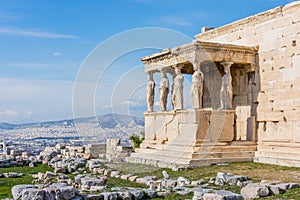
{"x": 150, "y": 92}
{"x": 164, "y": 91}
{"x": 226, "y": 88}
{"x": 197, "y": 87}
{"x": 177, "y": 96}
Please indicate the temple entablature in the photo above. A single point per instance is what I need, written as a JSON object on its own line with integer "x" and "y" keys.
{"x": 198, "y": 52}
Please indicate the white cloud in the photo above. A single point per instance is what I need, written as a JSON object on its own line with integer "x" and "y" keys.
{"x": 9, "y": 113}
{"x": 130, "y": 103}
{"x": 135, "y": 102}
{"x": 15, "y": 114}
{"x": 36, "y": 65}
{"x": 57, "y": 53}
{"x": 34, "y": 100}
{"x": 35, "y": 33}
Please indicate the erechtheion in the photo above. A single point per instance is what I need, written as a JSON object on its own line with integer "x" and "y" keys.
{"x": 245, "y": 95}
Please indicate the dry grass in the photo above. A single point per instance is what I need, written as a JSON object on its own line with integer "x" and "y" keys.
{"x": 254, "y": 171}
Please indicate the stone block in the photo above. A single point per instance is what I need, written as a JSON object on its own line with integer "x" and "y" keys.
{"x": 264, "y": 27}
{"x": 149, "y": 127}
{"x": 187, "y": 132}
{"x": 291, "y": 8}
{"x": 221, "y": 126}
{"x": 33, "y": 194}
{"x": 252, "y": 191}
{"x": 256, "y": 39}
{"x": 18, "y": 189}
{"x": 296, "y": 17}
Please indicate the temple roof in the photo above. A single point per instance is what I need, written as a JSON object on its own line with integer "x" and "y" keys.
{"x": 198, "y": 52}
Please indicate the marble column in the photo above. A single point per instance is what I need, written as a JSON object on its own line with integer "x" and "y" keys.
{"x": 197, "y": 87}
{"x": 177, "y": 96}
{"x": 164, "y": 91}
{"x": 226, "y": 92}
{"x": 150, "y": 92}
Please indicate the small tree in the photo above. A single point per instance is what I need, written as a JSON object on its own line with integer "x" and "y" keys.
{"x": 137, "y": 140}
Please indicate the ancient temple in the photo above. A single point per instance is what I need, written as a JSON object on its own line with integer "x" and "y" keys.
{"x": 244, "y": 94}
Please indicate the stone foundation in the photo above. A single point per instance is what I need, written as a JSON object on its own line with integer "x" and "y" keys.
{"x": 190, "y": 138}
{"x": 188, "y": 127}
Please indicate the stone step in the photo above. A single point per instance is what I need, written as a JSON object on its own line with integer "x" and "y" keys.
{"x": 211, "y": 161}
{"x": 212, "y": 147}
{"x": 207, "y": 152}
{"x": 194, "y": 147}
{"x": 170, "y": 155}
{"x": 277, "y": 161}
{"x": 155, "y": 163}
{"x": 167, "y": 163}
{"x": 231, "y": 148}
{"x": 248, "y": 154}
{"x": 163, "y": 155}
{"x": 161, "y": 158}
{"x": 278, "y": 155}
{"x": 280, "y": 143}
{"x": 279, "y": 148}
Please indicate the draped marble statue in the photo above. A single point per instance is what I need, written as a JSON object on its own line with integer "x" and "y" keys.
{"x": 172, "y": 87}
{"x": 226, "y": 88}
{"x": 177, "y": 96}
{"x": 197, "y": 88}
{"x": 150, "y": 92}
{"x": 163, "y": 91}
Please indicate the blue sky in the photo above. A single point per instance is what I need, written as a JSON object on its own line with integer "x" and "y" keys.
{"x": 44, "y": 43}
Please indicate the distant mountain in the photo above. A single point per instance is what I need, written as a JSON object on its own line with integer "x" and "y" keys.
{"x": 6, "y": 126}
{"x": 108, "y": 121}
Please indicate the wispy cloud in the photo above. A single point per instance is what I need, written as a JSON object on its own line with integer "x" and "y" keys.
{"x": 9, "y": 17}
{"x": 14, "y": 114}
{"x": 136, "y": 102}
{"x": 37, "y": 65}
{"x": 34, "y": 100}
{"x": 34, "y": 33}
{"x": 9, "y": 113}
{"x": 57, "y": 53}
{"x": 29, "y": 65}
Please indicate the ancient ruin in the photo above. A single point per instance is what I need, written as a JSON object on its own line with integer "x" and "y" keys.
{"x": 244, "y": 95}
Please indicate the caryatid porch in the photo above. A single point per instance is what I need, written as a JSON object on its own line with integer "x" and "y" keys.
{"x": 222, "y": 85}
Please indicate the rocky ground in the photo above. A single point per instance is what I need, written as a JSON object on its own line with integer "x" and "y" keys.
{"x": 81, "y": 178}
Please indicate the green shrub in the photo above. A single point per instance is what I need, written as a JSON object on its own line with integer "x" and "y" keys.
{"x": 137, "y": 140}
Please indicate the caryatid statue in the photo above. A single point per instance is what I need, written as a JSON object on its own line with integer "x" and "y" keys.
{"x": 226, "y": 88}
{"x": 150, "y": 92}
{"x": 197, "y": 88}
{"x": 163, "y": 91}
{"x": 172, "y": 86}
{"x": 177, "y": 96}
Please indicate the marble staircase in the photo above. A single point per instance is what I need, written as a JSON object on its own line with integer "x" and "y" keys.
{"x": 183, "y": 156}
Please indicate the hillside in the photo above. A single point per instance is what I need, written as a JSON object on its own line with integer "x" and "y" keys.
{"x": 101, "y": 127}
